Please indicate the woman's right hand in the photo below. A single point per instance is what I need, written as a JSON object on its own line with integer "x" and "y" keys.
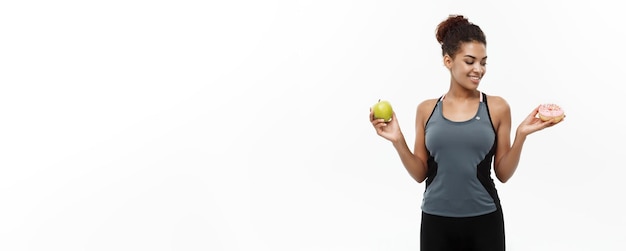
{"x": 388, "y": 130}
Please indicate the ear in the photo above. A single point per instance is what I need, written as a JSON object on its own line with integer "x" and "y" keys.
{"x": 447, "y": 61}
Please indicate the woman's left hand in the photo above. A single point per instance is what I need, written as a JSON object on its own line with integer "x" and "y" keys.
{"x": 532, "y": 123}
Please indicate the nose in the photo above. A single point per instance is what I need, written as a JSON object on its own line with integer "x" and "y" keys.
{"x": 479, "y": 69}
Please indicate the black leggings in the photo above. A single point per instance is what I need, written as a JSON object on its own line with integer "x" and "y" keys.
{"x": 478, "y": 233}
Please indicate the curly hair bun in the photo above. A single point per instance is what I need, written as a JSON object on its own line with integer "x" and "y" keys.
{"x": 448, "y": 24}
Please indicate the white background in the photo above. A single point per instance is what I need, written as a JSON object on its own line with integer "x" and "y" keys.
{"x": 243, "y": 125}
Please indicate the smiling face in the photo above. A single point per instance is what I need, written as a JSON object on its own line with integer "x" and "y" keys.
{"x": 468, "y": 66}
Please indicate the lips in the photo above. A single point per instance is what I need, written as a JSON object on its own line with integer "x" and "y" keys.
{"x": 475, "y": 79}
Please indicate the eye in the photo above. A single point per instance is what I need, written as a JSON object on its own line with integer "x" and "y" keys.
{"x": 469, "y": 63}
{"x": 483, "y": 63}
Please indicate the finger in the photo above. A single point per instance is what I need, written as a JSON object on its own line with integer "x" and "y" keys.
{"x": 393, "y": 117}
{"x": 549, "y": 123}
{"x": 380, "y": 127}
{"x": 556, "y": 120}
{"x": 377, "y": 122}
{"x": 534, "y": 112}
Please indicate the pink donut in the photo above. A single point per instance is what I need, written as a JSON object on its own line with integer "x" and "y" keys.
{"x": 551, "y": 112}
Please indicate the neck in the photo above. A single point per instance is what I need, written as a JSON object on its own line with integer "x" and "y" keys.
{"x": 456, "y": 93}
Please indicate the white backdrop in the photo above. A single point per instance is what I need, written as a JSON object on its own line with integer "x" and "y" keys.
{"x": 243, "y": 125}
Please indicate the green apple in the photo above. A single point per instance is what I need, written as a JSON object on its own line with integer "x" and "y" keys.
{"x": 382, "y": 110}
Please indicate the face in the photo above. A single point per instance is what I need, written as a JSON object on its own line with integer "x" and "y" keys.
{"x": 469, "y": 65}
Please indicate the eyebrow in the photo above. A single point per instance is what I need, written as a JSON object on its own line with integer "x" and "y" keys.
{"x": 470, "y": 56}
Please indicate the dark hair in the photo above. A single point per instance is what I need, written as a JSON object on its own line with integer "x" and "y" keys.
{"x": 455, "y": 30}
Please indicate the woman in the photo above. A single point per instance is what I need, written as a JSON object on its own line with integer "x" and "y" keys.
{"x": 457, "y": 137}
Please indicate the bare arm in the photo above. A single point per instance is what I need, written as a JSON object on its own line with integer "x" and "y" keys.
{"x": 507, "y": 156}
{"x": 414, "y": 162}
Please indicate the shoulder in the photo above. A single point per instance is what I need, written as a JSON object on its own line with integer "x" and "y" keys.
{"x": 424, "y": 110}
{"x": 426, "y": 106}
{"x": 498, "y": 105}
{"x": 500, "y": 112}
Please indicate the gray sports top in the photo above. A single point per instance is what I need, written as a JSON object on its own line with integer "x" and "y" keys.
{"x": 459, "y": 182}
